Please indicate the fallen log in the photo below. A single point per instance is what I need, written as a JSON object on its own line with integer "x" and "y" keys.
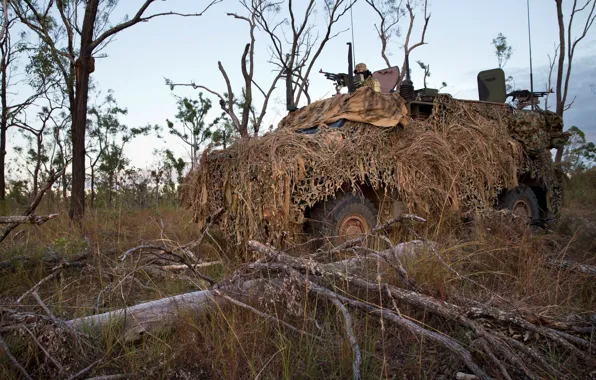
{"x": 157, "y": 315}
{"x": 22, "y": 219}
{"x": 150, "y": 316}
{"x": 573, "y": 266}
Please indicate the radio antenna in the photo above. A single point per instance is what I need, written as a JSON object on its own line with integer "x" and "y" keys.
{"x": 530, "y": 45}
{"x": 352, "y": 22}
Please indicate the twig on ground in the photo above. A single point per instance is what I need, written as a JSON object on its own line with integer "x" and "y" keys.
{"x": 494, "y": 359}
{"x": 265, "y": 315}
{"x": 13, "y": 360}
{"x": 46, "y": 353}
{"x": 183, "y": 266}
{"x": 54, "y": 273}
{"x": 44, "y": 306}
{"x": 85, "y": 370}
{"x": 350, "y": 331}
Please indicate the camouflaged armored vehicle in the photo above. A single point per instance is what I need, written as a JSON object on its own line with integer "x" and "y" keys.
{"x": 340, "y": 165}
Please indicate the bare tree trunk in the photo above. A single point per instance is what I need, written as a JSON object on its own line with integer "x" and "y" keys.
{"x": 38, "y": 163}
{"x": 92, "y": 204}
{"x": 77, "y": 205}
{"x": 3, "y": 129}
{"x": 110, "y": 185}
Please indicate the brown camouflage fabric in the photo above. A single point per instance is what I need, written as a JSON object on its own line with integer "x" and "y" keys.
{"x": 538, "y": 130}
{"x": 365, "y": 105}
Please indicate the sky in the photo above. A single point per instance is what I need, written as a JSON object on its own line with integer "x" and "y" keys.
{"x": 187, "y": 49}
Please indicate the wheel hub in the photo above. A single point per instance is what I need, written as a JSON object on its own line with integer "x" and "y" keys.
{"x": 352, "y": 225}
{"x": 521, "y": 208}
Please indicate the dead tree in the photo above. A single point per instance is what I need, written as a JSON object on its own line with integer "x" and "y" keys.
{"x": 76, "y": 63}
{"x": 296, "y": 56}
{"x": 293, "y": 55}
{"x": 567, "y": 46}
{"x": 389, "y": 14}
{"x": 241, "y": 110}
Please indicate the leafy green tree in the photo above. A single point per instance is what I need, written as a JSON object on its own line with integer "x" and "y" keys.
{"x": 105, "y": 144}
{"x": 166, "y": 168}
{"x": 38, "y": 153}
{"x": 578, "y": 154}
{"x": 74, "y": 31}
{"x": 503, "y": 51}
{"x": 191, "y": 126}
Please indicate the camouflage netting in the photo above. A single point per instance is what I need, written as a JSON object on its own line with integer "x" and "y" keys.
{"x": 457, "y": 159}
{"x": 363, "y": 106}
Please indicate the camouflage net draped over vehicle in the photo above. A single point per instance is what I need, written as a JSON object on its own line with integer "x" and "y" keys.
{"x": 456, "y": 160}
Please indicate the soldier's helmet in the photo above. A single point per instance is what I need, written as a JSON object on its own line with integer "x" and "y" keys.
{"x": 361, "y": 67}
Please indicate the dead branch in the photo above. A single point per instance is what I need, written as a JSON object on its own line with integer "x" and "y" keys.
{"x": 54, "y": 273}
{"x": 149, "y": 316}
{"x": 494, "y": 359}
{"x": 441, "y": 308}
{"x": 350, "y": 331}
{"x": 13, "y": 360}
{"x": 264, "y": 315}
{"x": 396, "y": 252}
{"x": 212, "y": 219}
{"x": 407, "y": 48}
{"x": 44, "y": 306}
{"x": 32, "y": 219}
{"x": 182, "y": 266}
{"x": 31, "y": 208}
{"x": 573, "y": 266}
{"x": 389, "y": 16}
{"x": 85, "y": 370}
{"x": 414, "y": 328}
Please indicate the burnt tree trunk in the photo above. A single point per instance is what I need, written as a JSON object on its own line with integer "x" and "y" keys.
{"x": 79, "y": 121}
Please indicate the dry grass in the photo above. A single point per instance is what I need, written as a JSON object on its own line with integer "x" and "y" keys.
{"x": 504, "y": 265}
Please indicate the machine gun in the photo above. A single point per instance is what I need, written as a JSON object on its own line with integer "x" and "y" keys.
{"x": 525, "y": 95}
{"x": 341, "y": 79}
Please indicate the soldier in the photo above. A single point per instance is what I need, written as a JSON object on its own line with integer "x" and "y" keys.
{"x": 364, "y": 77}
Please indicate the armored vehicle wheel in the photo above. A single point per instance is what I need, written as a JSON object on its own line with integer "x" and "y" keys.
{"x": 522, "y": 202}
{"x": 342, "y": 217}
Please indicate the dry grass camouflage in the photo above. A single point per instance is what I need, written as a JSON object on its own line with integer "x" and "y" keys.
{"x": 457, "y": 159}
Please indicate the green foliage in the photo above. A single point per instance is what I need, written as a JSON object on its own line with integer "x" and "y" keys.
{"x": 503, "y": 52}
{"x": 224, "y": 132}
{"x": 502, "y": 49}
{"x": 578, "y": 154}
{"x": 191, "y": 126}
{"x": 105, "y": 146}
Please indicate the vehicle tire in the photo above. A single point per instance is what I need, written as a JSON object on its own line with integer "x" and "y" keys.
{"x": 342, "y": 217}
{"x": 522, "y": 202}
